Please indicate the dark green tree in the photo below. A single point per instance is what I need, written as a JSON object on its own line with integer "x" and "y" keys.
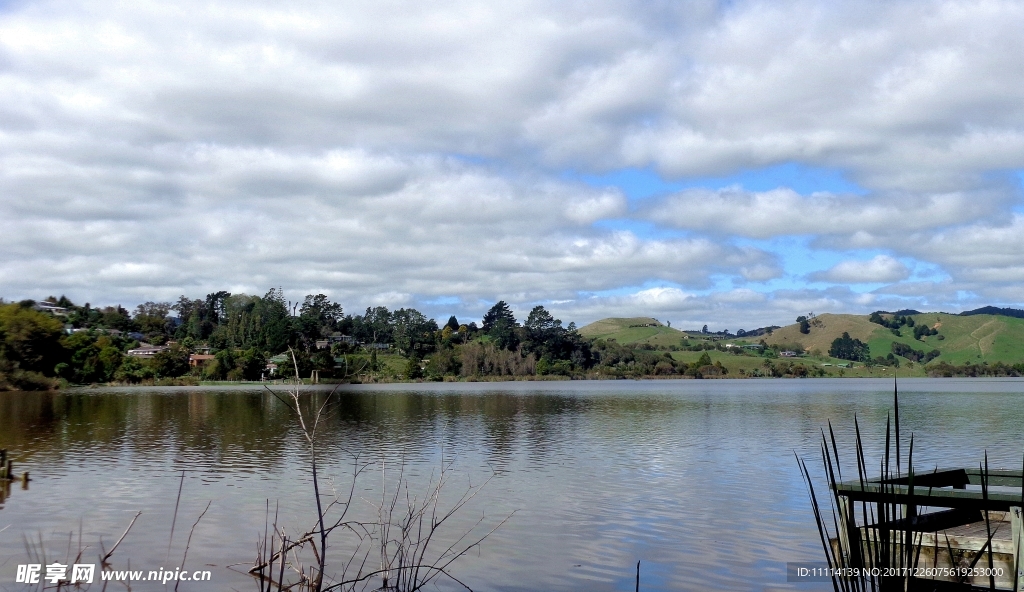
{"x": 848, "y": 348}
{"x": 499, "y": 312}
{"x": 500, "y": 324}
{"x": 171, "y": 363}
{"x": 318, "y": 317}
{"x": 152, "y": 321}
{"x": 116, "y": 317}
{"x": 412, "y": 332}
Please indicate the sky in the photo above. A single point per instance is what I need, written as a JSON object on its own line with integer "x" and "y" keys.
{"x": 732, "y": 163}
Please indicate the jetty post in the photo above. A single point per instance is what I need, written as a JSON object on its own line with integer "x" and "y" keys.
{"x": 1016, "y": 533}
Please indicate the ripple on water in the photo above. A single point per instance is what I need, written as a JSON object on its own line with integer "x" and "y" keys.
{"x": 694, "y": 478}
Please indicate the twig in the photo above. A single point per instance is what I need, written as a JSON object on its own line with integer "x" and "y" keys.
{"x": 112, "y": 549}
{"x": 188, "y": 543}
{"x": 174, "y": 520}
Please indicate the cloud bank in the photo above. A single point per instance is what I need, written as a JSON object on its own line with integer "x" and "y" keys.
{"x": 430, "y": 155}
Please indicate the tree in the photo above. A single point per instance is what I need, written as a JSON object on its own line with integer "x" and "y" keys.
{"x": 847, "y": 348}
{"x": 413, "y": 332}
{"x": 499, "y": 312}
{"x": 453, "y": 323}
{"x": 30, "y": 339}
{"x": 171, "y": 363}
{"x": 116, "y": 317}
{"x": 544, "y": 334}
{"x": 215, "y": 304}
{"x": 318, "y": 317}
{"x": 374, "y": 326}
{"x": 500, "y": 324}
{"x": 251, "y": 363}
{"x": 413, "y": 370}
{"x": 151, "y": 318}
{"x": 540, "y": 324}
{"x": 194, "y": 319}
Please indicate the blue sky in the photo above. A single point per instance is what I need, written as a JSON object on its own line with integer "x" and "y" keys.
{"x": 735, "y": 164}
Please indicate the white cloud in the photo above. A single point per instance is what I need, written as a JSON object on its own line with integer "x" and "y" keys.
{"x": 879, "y": 269}
{"x": 849, "y": 218}
{"x": 418, "y": 227}
{"x": 391, "y": 155}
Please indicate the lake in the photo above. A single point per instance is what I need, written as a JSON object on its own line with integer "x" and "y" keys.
{"x": 694, "y": 478}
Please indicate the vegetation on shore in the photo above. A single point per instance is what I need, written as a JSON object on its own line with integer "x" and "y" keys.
{"x": 239, "y": 337}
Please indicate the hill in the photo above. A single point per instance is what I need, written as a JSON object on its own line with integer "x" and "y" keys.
{"x": 635, "y": 330}
{"x": 972, "y": 338}
{"x": 994, "y": 310}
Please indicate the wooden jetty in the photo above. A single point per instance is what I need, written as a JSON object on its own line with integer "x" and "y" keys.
{"x": 949, "y": 518}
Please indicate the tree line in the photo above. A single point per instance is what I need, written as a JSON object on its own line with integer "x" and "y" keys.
{"x": 57, "y": 340}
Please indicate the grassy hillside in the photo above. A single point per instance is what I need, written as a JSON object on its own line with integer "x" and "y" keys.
{"x": 976, "y": 338}
{"x": 627, "y": 331}
{"x": 961, "y": 339}
{"x": 831, "y": 326}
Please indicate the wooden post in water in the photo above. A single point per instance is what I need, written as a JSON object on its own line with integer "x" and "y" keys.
{"x": 849, "y": 533}
{"x": 10, "y": 469}
{"x": 1016, "y": 531}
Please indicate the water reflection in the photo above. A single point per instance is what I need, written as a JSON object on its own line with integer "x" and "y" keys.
{"x": 695, "y": 478}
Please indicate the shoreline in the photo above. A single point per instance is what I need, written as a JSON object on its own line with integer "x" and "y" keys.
{"x": 496, "y": 379}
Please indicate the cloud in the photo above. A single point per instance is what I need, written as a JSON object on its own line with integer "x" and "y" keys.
{"x": 382, "y": 155}
{"x": 851, "y": 219}
{"x": 733, "y": 309}
{"x": 360, "y": 226}
{"x": 879, "y": 269}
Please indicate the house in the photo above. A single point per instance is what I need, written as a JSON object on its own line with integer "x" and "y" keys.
{"x": 336, "y": 338}
{"x": 146, "y": 352}
{"x": 199, "y": 360}
{"x": 787, "y": 354}
{"x": 50, "y": 308}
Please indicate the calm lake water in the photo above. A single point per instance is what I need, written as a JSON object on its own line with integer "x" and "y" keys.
{"x": 696, "y": 479}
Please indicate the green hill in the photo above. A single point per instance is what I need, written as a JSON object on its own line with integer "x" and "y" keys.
{"x": 633, "y": 331}
{"x": 961, "y": 339}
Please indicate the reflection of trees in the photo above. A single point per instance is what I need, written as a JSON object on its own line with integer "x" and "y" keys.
{"x": 52, "y": 424}
{"x": 203, "y": 427}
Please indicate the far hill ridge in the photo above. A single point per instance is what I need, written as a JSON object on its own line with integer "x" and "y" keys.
{"x": 970, "y": 337}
